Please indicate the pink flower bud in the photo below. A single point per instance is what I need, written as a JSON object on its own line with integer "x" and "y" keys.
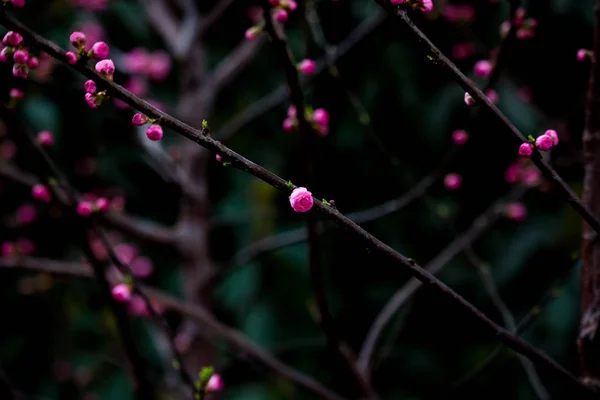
{"x": 459, "y": 137}
{"x": 18, "y": 3}
{"x": 525, "y": 150}
{"x": 121, "y": 292}
{"x": 289, "y": 4}
{"x": 71, "y": 57}
{"x": 101, "y": 204}
{"x": 139, "y": 119}
{"x": 215, "y": 383}
{"x": 137, "y": 306}
{"x": 20, "y": 71}
{"x": 426, "y": 5}
{"x": 291, "y": 112}
{"x": 12, "y": 39}
{"x": 7, "y": 249}
{"x": 452, "y": 181}
{"x": 106, "y": 68}
{"x": 78, "y": 40}
{"x": 21, "y": 56}
{"x": 90, "y": 99}
{"x": 307, "y": 67}
{"x": 252, "y": 33}
{"x": 552, "y": 133}
{"x": 99, "y": 50}
{"x": 142, "y": 267}
{"x": 126, "y": 253}
{"x": 483, "y": 68}
{"x": 26, "y": 214}
{"x": 84, "y": 208}
{"x": 544, "y": 142}
{"x": 281, "y": 15}
{"x": 288, "y": 125}
{"x": 219, "y": 158}
{"x": 321, "y": 116}
{"x": 468, "y": 99}
{"x": 16, "y": 93}
{"x": 154, "y": 132}
{"x": 301, "y": 200}
{"x": 531, "y": 176}
{"x": 90, "y": 87}
{"x": 5, "y": 54}
{"x": 45, "y": 138}
{"x": 516, "y": 211}
{"x": 492, "y": 95}
{"x": 33, "y": 62}
{"x": 41, "y": 193}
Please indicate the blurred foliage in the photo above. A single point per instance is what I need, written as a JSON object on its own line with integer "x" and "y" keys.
{"x": 58, "y": 340}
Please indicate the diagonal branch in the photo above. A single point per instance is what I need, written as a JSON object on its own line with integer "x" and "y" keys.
{"x": 237, "y": 161}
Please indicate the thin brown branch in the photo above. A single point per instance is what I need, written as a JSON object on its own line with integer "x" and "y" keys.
{"x": 197, "y": 313}
{"x": 202, "y": 138}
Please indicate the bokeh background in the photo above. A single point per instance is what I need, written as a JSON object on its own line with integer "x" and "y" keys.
{"x": 57, "y": 339}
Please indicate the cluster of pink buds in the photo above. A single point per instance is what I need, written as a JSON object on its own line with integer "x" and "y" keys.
{"x": 543, "y": 143}
{"x": 319, "y": 119}
{"x": 154, "y": 131}
{"x": 22, "y": 246}
{"x": 86, "y": 207}
{"x": 584, "y": 54}
{"x": 15, "y": 3}
{"x": 525, "y": 26}
{"x": 523, "y": 172}
{"x": 93, "y": 97}
{"x": 13, "y": 48}
{"x": 281, "y": 9}
{"x": 98, "y": 51}
{"x": 423, "y": 5}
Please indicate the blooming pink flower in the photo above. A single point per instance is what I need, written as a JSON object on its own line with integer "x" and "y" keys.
{"x": 16, "y": 93}
{"x": 525, "y": 150}
{"x": 219, "y": 158}
{"x": 159, "y": 66}
{"x": 126, "y": 253}
{"x": 215, "y": 383}
{"x": 307, "y": 67}
{"x": 45, "y": 138}
{"x": 516, "y": 211}
{"x": 21, "y": 56}
{"x": 552, "y": 133}
{"x": 544, "y": 142}
{"x": 41, "y": 193}
{"x": 468, "y": 99}
{"x": 301, "y": 200}
{"x": 459, "y": 137}
{"x": 90, "y": 86}
{"x": 281, "y": 15}
{"x": 106, "y": 68}
{"x": 139, "y": 119}
{"x": 288, "y": 125}
{"x": 121, "y": 292}
{"x": 7, "y": 249}
{"x": 71, "y": 57}
{"x": 20, "y": 71}
{"x": 452, "y": 181}
{"x": 154, "y": 132}
{"x": 33, "y": 62}
{"x": 78, "y": 40}
{"x": 12, "y": 39}
{"x": 99, "y": 50}
{"x": 26, "y": 214}
{"x": 142, "y": 267}
{"x": 483, "y": 68}
{"x": 84, "y": 208}
{"x": 102, "y": 204}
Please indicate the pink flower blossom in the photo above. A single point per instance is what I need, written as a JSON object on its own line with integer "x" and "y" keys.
{"x": 452, "y": 181}
{"x": 84, "y": 208}
{"x": 126, "y": 253}
{"x": 525, "y": 150}
{"x": 552, "y": 133}
{"x": 219, "y": 158}
{"x": 154, "y": 132}
{"x": 20, "y": 71}
{"x": 516, "y": 211}
{"x": 99, "y": 50}
{"x": 307, "y": 67}
{"x": 33, "y": 62}
{"x": 252, "y": 32}
{"x": 492, "y": 95}
{"x": 321, "y": 116}
{"x": 280, "y": 15}
{"x": 45, "y": 138}
{"x": 16, "y": 93}
{"x": 142, "y": 267}
{"x": 41, "y": 193}
{"x": 483, "y": 68}
{"x": 426, "y": 5}
{"x": 26, "y": 214}
{"x": 78, "y": 40}
{"x": 139, "y": 119}
{"x": 291, "y": 112}
{"x": 18, "y": 3}
{"x": 301, "y": 200}
{"x": 21, "y": 56}
{"x": 106, "y": 68}
{"x": 90, "y": 99}
{"x": 215, "y": 383}
{"x": 71, "y": 57}
{"x": 468, "y": 99}
{"x": 396, "y": 1}
{"x": 544, "y": 142}
{"x": 12, "y": 39}
{"x": 459, "y": 137}
{"x": 137, "y": 306}
{"x": 90, "y": 87}
{"x": 582, "y": 54}
{"x": 121, "y": 292}
{"x": 102, "y": 204}
{"x": 288, "y": 125}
